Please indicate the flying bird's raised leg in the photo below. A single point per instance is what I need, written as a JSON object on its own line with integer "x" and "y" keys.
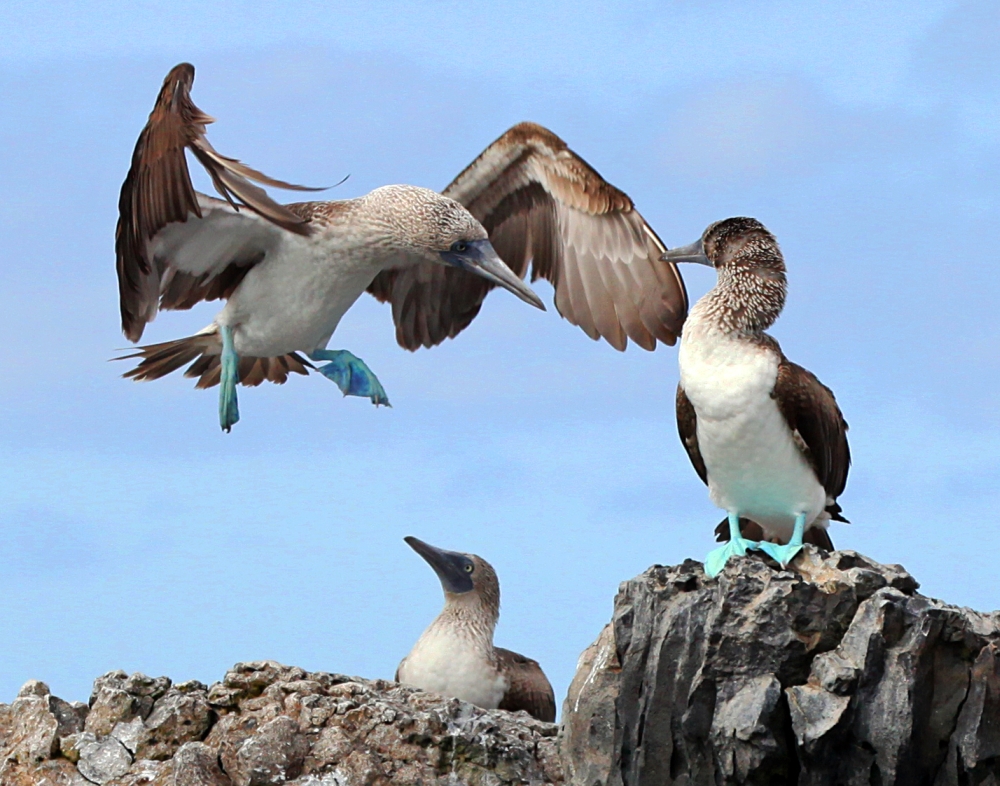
{"x": 352, "y": 376}
{"x": 785, "y": 554}
{"x": 736, "y": 547}
{"x": 229, "y": 410}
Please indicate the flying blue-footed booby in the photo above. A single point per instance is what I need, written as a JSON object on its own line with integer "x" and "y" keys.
{"x": 764, "y": 434}
{"x": 290, "y": 272}
{"x": 455, "y": 656}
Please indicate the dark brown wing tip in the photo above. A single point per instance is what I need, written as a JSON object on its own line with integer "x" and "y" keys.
{"x": 183, "y": 72}
{"x": 526, "y": 131}
{"x": 177, "y": 85}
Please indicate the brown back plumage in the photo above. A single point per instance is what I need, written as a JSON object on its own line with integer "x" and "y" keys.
{"x": 542, "y": 203}
{"x": 529, "y": 689}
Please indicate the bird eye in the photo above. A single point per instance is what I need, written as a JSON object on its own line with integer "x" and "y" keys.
{"x": 468, "y": 568}
{"x": 459, "y": 246}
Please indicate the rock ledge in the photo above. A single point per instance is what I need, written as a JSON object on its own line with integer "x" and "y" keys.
{"x": 267, "y": 724}
{"x": 836, "y": 672}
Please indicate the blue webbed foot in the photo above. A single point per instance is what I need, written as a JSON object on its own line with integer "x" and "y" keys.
{"x": 352, "y": 376}
{"x": 229, "y": 410}
{"x": 736, "y": 547}
{"x": 785, "y": 554}
{"x": 781, "y": 554}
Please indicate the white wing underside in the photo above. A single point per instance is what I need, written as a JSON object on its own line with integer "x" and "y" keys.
{"x": 208, "y": 245}
{"x": 201, "y": 258}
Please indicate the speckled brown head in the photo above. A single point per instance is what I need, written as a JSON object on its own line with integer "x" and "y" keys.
{"x": 420, "y": 225}
{"x": 461, "y": 575}
{"x": 421, "y": 219}
{"x": 751, "y": 290}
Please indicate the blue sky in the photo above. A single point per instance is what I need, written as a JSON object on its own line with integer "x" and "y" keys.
{"x": 136, "y": 535}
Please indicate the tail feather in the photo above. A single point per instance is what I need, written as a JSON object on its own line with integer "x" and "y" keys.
{"x": 204, "y": 352}
{"x": 836, "y": 512}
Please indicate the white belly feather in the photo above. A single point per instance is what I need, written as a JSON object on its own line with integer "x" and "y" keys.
{"x": 754, "y": 466}
{"x": 453, "y": 666}
{"x": 294, "y": 299}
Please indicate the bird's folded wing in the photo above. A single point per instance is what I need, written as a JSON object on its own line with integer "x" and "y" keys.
{"x": 541, "y": 203}
{"x": 157, "y": 194}
{"x": 529, "y": 688}
{"x": 687, "y": 427}
{"x": 812, "y": 414}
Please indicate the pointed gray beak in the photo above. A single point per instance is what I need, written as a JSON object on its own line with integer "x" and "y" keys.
{"x": 695, "y": 252}
{"x": 451, "y": 567}
{"x": 481, "y": 258}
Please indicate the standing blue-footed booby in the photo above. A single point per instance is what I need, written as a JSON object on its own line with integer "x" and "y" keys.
{"x": 290, "y": 272}
{"x": 455, "y": 656}
{"x": 764, "y": 434}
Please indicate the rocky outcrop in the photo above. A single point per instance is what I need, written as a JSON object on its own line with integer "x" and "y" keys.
{"x": 835, "y": 673}
{"x": 264, "y": 725}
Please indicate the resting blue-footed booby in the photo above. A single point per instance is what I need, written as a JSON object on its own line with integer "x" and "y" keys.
{"x": 290, "y": 272}
{"x": 455, "y": 656}
{"x": 764, "y": 434}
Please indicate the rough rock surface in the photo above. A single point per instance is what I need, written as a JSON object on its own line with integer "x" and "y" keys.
{"x": 266, "y": 724}
{"x": 833, "y": 673}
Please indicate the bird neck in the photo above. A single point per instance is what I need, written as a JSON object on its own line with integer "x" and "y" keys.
{"x": 745, "y": 301}
{"x": 468, "y": 617}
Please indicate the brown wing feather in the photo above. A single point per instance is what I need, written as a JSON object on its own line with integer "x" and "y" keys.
{"x": 811, "y": 411}
{"x": 687, "y": 427}
{"x": 529, "y": 689}
{"x": 157, "y": 191}
{"x": 541, "y": 203}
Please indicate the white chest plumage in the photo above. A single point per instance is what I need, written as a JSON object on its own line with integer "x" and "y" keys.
{"x": 754, "y": 466}
{"x": 445, "y": 662}
{"x": 295, "y": 298}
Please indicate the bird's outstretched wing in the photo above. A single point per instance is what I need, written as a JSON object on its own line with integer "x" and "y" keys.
{"x": 812, "y": 414}
{"x": 529, "y": 687}
{"x": 157, "y": 195}
{"x": 542, "y": 203}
